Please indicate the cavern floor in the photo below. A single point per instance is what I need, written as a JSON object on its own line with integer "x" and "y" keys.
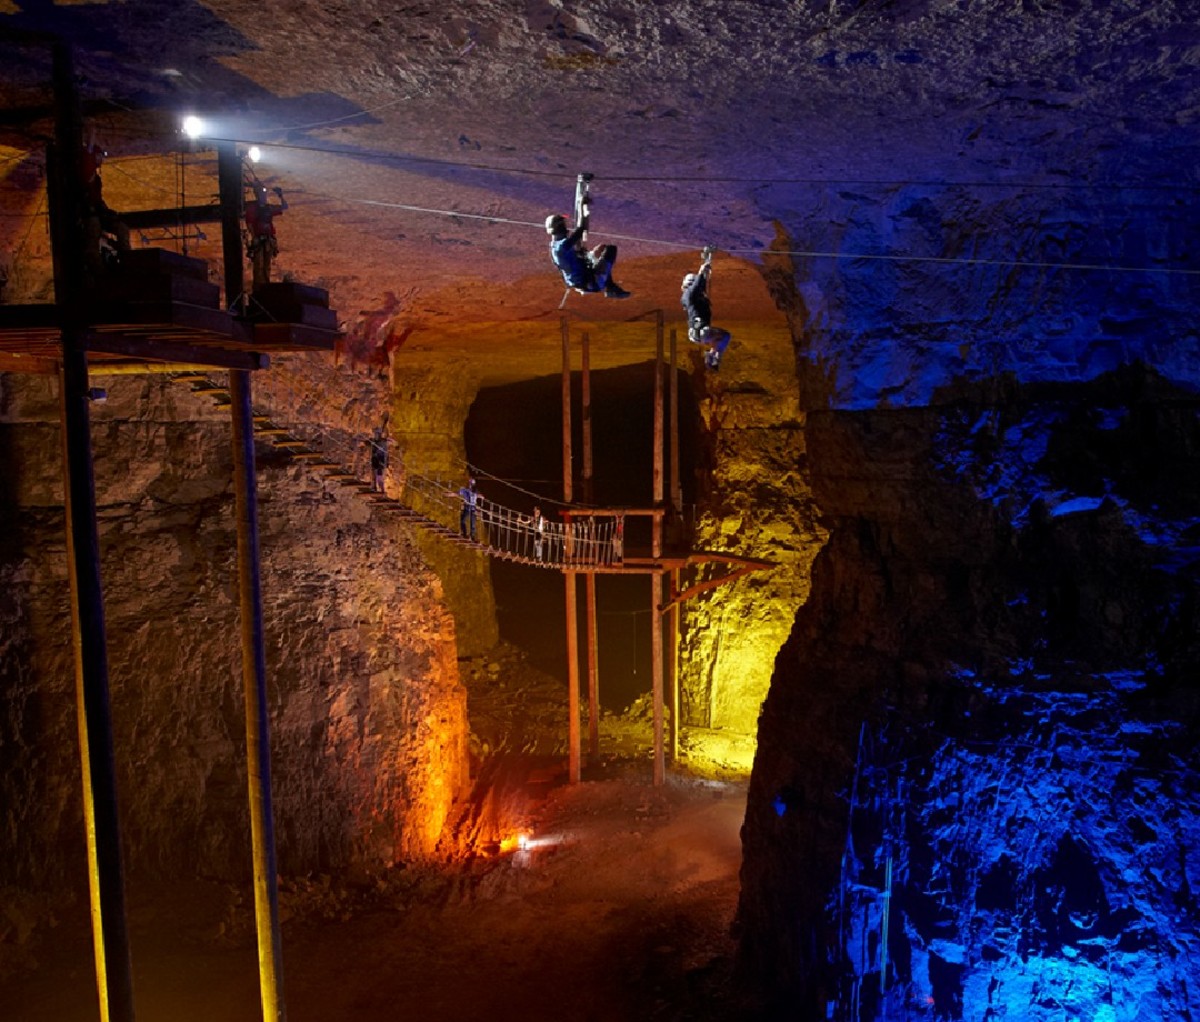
{"x": 620, "y": 909}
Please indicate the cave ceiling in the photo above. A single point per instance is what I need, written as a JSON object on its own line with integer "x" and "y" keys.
{"x": 709, "y": 121}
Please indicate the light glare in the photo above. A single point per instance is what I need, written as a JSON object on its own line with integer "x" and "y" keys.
{"x": 193, "y": 127}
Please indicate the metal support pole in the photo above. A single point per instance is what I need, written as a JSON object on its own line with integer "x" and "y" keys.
{"x": 573, "y": 771}
{"x": 676, "y": 489}
{"x": 106, "y": 875}
{"x": 658, "y": 413}
{"x": 656, "y": 663}
{"x": 568, "y": 492}
{"x": 593, "y": 670}
{"x": 656, "y": 595}
{"x": 231, "y": 190}
{"x": 673, "y": 664}
{"x": 254, "y": 684}
{"x": 254, "y": 663}
{"x": 573, "y": 737}
{"x": 586, "y": 415}
{"x": 672, "y": 621}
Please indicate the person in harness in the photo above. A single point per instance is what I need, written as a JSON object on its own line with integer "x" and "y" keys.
{"x": 695, "y": 301}
{"x": 105, "y": 233}
{"x": 586, "y": 272}
{"x": 261, "y": 243}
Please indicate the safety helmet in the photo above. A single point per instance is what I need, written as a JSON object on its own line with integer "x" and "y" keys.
{"x": 556, "y": 223}
{"x": 688, "y": 280}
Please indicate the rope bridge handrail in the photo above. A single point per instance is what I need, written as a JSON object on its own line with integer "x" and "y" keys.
{"x": 432, "y": 503}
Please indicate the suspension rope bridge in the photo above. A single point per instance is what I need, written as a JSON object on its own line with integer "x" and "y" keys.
{"x": 586, "y": 539}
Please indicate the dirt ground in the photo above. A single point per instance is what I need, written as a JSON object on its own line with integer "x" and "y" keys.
{"x": 618, "y": 907}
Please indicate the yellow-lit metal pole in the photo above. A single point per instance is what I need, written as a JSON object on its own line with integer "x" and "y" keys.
{"x": 593, "y": 670}
{"x": 677, "y": 509}
{"x": 593, "y": 682}
{"x": 573, "y": 737}
{"x": 254, "y": 660}
{"x": 585, "y": 385}
{"x": 673, "y": 666}
{"x": 676, "y": 488}
{"x": 656, "y": 595}
{"x": 106, "y": 875}
{"x": 254, "y": 684}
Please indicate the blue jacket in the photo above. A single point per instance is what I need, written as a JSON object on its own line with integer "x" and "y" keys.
{"x": 570, "y": 260}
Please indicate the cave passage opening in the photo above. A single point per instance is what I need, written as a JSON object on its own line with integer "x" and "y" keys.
{"x": 514, "y": 432}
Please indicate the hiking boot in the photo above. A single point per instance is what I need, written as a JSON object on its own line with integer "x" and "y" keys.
{"x": 615, "y": 291}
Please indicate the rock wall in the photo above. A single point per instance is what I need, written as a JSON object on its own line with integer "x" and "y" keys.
{"x": 367, "y": 714}
{"x": 883, "y": 318}
{"x": 429, "y": 407}
{"x": 977, "y": 792}
{"x": 755, "y": 502}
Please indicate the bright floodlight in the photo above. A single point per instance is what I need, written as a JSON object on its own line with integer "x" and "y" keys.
{"x": 254, "y": 153}
{"x": 193, "y": 127}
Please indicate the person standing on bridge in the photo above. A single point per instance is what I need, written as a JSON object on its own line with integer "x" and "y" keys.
{"x": 696, "y": 303}
{"x": 469, "y": 496}
{"x": 539, "y": 532}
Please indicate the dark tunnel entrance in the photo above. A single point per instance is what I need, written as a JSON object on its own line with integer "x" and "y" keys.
{"x": 514, "y": 433}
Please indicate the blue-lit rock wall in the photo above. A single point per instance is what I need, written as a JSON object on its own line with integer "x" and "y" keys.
{"x": 977, "y": 791}
{"x": 907, "y": 288}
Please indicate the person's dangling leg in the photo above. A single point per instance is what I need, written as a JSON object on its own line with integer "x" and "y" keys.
{"x": 604, "y": 268}
{"x": 716, "y": 340}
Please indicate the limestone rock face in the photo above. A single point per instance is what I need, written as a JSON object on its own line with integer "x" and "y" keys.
{"x": 754, "y": 502}
{"x": 367, "y": 714}
{"x": 977, "y": 792}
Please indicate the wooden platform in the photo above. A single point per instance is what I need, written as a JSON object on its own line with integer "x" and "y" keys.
{"x": 157, "y": 311}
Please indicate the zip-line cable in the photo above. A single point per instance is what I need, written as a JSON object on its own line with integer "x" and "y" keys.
{"x": 754, "y": 251}
{"x": 802, "y": 253}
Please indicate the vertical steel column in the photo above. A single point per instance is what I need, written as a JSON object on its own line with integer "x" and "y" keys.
{"x": 593, "y": 670}
{"x": 676, "y": 487}
{"x": 254, "y": 684}
{"x": 677, "y": 508}
{"x": 593, "y": 682}
{"x": 568, "y": 475}
{"x": 573, "y": 737}
{"x": 106, "y": 874}
{"x": 656, "y": 596}
{"x": 673, "y": 665}
{"x": 254, "y": 659}
{"x": 231, "y": 192}
{"x": 585, "y": 379}
{"x": 658, "y": 412}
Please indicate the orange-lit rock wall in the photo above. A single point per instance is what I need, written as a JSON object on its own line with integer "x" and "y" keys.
{"x": 429, "y": 406}
{"x": 368, "y": 720}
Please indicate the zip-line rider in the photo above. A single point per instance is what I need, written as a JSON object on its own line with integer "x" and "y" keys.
{"x": 696, "y": 304}
{"x": 584, "y": 271}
